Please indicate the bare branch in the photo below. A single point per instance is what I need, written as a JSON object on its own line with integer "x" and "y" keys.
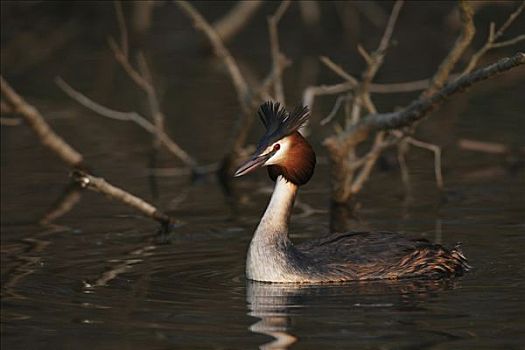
{"x": 492, "y": 43}
{"x": 378, "y": 56}
{"x": 247, "y": 101}
{"x": 437, "y": 157}
{"x": 402, "y": 150}
{"x": 463, "y": 41}
{"x": 50, "y": 139}
{"x": 389, "y": 30}
{"x": 122, "y": 59}
{"x": 422, "y": 106}
{"x": 122, "y": 28}
{"x": 35, "y": 120}
{"x": 142, "y": 78}
{"x": 239, "y": 15}
{"x": 67, "y": 201}
{"x": 153, "y": 101}
{"x": 362, "y": 98}
{"x": 312, "y": 91}
{"x": 274, "y": 74}
{"x": 334, "y": 110}
{"x": 100, "y": 185}
{"x": 483, "y": 146}
{"x": 273, "y": 22}
{"x": 343, "y": 144}
{"x": 509, "y": 42}
{"x": 509, "y": 21}
{"x": 170, "y": 145}
{"x": 241, "y": 87}
{"x": 339, "y": 70}
{"x": 366, "y": 56}
{"x": 372, "y": 157}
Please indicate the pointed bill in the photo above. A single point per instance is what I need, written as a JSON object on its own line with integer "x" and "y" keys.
{"x": 252, "y": 164}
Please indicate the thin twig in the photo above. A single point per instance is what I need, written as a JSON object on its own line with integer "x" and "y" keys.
{"x": 379, "y": 54}
{"x": 334, "y": 110}
{"x": 37, "y": 123}
{"x": 463, "y": 41}
{"x": 170, "y": 145}
{"x": 153, "y": 101}
{"x": 128, "y": 68}
{"x": 339, "y": 70}
{"x": 273, "y": 22}
{"x": 363, "y": 98}
{"x": 64, "y": 204}
{"x": 422, "y": 106}
{"x": 402, "y": 150}
{"x": 509, "y": 42}
{"x": 142, "y": 77}
{"x": 122, "y": 28}
{"x": 241, "y": 87}
{"x": 74, "y": 159}
{"x": 372, "y": 156}
{"x": 483, "y": 146}
{"x": 312, "y": 91}
{"x": 437, "y": 157}
{"x": 102, "y": 186}
{"x": 492, "y": 43}
{"x": 236, "y": 19}
{"x": 247, "y": 100}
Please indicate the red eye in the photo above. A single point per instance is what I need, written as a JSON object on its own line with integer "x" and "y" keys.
{"x": 276, "y": 147}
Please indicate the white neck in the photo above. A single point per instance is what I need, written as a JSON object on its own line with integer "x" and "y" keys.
{"x": 266, "y": 260}
{"x": 274, "y": 223}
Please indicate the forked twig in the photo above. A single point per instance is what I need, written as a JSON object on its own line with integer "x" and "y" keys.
{"x": 138, "y": 119}
{"x": 74, "y": 159}
{"x": 494, "y": 35}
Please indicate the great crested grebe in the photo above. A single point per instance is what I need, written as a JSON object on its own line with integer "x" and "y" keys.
{"x": 349, "y": 256}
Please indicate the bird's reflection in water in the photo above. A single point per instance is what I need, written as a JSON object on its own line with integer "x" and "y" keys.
{"x": 274, "y": 303}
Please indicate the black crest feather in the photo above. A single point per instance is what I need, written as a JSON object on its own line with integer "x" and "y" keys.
{"x": 278, "y": 122}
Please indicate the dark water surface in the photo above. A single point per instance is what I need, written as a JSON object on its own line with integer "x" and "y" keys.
{"x": 100, "y": 278}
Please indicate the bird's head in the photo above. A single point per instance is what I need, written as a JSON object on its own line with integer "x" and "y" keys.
{"x": 282, "y": 148}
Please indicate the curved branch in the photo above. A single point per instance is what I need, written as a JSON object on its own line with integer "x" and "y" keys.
{"x": 164, "y": 139}
{"x": 240, "y": 84}
{"x": 100, "y": 185}
{"x": 239, "y": 15}
{"x": 422, "y": 106}
{"x": 36, "y": 121}
{"x": 463, "y": 41}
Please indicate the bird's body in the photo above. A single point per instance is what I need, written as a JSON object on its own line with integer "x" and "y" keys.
{"x": 349, "y": 256}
